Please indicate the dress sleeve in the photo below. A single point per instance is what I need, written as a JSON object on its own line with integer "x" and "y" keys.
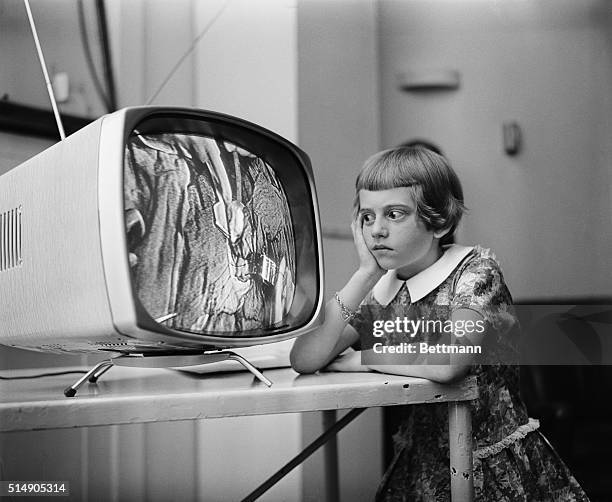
{"x": 480, "y": 286}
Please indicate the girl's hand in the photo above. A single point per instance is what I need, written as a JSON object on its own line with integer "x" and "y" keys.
{"x": 348, "y": 362}
{"x": 367, "y": 261}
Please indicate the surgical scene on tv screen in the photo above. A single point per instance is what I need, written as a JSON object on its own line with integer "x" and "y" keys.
{"x": 209, "y": 233}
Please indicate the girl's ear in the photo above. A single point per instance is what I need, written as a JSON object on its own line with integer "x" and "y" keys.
{"x": 438, "y": 234}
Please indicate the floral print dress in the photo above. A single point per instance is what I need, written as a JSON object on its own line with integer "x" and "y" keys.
{"x": 512, "y": 459}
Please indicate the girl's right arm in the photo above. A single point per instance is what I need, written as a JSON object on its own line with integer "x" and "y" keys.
{"x": 315, "y": 350}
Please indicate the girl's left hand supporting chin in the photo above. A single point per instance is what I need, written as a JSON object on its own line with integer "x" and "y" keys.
{"x": 349, "y": 361}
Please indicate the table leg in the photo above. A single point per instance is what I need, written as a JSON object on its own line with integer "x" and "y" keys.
{"x": 332, "y": 486}
{"x": 460, "y": 445}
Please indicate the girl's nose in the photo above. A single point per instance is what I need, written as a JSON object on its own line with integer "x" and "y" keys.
{"x": 379, "y": 230}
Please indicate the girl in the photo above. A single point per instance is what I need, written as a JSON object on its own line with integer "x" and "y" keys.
{"x": 408, "y": 203}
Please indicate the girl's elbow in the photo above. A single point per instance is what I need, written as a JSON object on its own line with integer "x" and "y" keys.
{"x": 300, "y": 364}
{"x": 450, "y": 374}
{"x": 303, "y": 369}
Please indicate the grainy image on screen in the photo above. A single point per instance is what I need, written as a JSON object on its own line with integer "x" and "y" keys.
{"x": 210, "y": 234}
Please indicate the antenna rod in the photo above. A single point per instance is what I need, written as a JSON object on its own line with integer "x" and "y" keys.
{"x": 41, "y": 58}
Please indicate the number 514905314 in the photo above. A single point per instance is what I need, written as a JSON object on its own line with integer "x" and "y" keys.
{"x": 39, "y": 488}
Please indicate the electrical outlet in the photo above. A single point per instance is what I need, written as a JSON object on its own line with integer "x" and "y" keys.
{"x": 61, "y": 86}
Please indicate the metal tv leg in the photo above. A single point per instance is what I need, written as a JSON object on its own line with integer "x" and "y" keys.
{"x": 94, "y": 378}
{"x": 95, "y": 372}
{"x": 170, "y": 360}
{"x": 258, "y": 374}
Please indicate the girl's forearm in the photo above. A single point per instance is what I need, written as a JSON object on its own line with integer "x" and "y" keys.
{"x": 314, "y": 350}
{"x": 442, "y": 368}
{"x": 356, "y": 289}
{"x": 435, "y": 372}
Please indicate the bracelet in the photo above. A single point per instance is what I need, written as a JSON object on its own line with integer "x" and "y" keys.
{"x": 347, "y": 313}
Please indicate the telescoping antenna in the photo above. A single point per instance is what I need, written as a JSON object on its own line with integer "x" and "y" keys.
{"x": 41, "y": 58}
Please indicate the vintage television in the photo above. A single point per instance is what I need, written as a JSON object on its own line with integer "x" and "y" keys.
{"x": 158, "y": 233}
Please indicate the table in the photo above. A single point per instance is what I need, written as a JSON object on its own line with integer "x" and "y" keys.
{"x": 131, "y": 395}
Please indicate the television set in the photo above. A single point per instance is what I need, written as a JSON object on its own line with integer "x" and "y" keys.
{"x": 159, "y": 231}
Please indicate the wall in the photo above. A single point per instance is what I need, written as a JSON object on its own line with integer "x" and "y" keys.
{"x": 338, "y": 128}
{"x": 546, "y": 65}
{"x": 142, "y": 56}
{"x": 21, "y": 78}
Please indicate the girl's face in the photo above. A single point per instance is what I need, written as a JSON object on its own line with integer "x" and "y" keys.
{"x": 393, "y": 232}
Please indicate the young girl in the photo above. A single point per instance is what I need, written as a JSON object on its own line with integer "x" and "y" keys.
{"x": 408, "y": 204}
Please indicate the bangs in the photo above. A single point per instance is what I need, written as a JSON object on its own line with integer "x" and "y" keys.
{"x": 384, "y": 171}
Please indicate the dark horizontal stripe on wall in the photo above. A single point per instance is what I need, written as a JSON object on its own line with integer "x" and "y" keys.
{"x": 31, "y": 121}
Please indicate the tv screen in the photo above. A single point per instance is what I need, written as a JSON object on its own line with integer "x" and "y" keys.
{"x": 210, "y": 234}
{"x": 162, "y": 229}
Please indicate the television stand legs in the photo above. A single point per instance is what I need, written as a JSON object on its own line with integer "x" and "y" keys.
{"x": 170, "y": 360}
{"x": 256, "y": 373}
{"x": 92, "y": 375}
{"x": 99, "y": 370}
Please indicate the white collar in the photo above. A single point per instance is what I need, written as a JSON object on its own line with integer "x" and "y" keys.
{"x": 425, "y": 281}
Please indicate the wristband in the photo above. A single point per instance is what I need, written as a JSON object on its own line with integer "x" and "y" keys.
{"x": 347, "y": 313}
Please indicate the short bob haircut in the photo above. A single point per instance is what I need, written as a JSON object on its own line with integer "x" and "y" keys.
{"x": 435, "y": 186}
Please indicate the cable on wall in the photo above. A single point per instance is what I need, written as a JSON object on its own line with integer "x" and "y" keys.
{"x": 189, "y": 51}
{"x": 89, "y": 58}
{"x": 106, "y": 56}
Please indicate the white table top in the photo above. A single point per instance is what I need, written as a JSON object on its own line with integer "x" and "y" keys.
{"x": 136, "y": 395}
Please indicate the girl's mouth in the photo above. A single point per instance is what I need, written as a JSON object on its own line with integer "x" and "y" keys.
{"x": 380, "y": 247}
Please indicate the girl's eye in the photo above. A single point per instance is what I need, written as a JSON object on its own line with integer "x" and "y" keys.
{"x": 367, "y": 218}
{"x": 395, "y": 214}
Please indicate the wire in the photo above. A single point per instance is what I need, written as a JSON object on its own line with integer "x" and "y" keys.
{"x": 189, "y": 51}
{"x": 106, "y": 56}
{"x": 43, "y": 66}
{"x": 88, "y": 57}
{"x": 43, "y": 375}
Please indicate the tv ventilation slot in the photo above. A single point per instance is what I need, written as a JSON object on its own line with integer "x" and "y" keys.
{"x": 10, "y": 239}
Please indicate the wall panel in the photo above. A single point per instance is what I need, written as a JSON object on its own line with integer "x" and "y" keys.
{"x": 545, "y": 65}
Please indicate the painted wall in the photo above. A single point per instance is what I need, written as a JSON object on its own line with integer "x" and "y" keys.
{"x": 546, "y": 65}
{"x": 21, "y": 78}
{"x": 338, "y": 128}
